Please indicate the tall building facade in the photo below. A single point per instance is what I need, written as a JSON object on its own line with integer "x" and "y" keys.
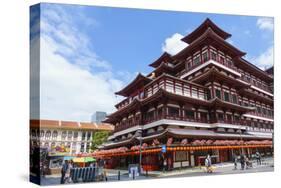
{"x": 98, "y": 117}
{"x": 206, "y": 99}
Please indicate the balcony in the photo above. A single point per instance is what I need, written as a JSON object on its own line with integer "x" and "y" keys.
{"x": 220, "y": 62}
{"x": 260, "y": 115}
{"x": 175, "y": 117}
{"x": 170, "y": 84}
{"x": 233, "y": 122}
{"x": 125, "y": 125}
{"x": 260, "y": 86}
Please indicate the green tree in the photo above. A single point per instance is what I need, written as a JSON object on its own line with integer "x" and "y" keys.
{"x": 99, "y": 138}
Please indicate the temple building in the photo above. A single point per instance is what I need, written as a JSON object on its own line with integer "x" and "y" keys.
{"x": 206, "y": 99}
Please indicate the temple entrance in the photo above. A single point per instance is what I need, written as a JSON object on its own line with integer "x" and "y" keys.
{"x": 151, "y": 162}
{"x": 224, "y": 155}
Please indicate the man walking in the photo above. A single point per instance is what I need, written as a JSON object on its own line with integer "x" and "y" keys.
{"x": 242, "y": 161}
{"x": 258, "y": 158}
{"x": 63, "y": 171}
{"x": 235, "y": 162}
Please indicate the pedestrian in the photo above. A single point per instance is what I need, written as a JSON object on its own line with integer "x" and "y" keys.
{"x": 248, "y": 163}
{"x": 91, "y": 165}
{"x": 242, "y": 161}
{"x": 164, "y": 164}
{"x": 63, "y": 171}
{"x": 258, "y": 158}
{"x": 235, "y": 162}
{"x": 208, "y": 164}
{"x": 67, "y": 178}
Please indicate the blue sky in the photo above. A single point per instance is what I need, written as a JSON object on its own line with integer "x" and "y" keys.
{"x": 109, "y": 46}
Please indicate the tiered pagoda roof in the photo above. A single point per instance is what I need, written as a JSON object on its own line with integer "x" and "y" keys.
{"x": 215, "y": 74}
{"x": 211, "y": 37}
{"x": 202, "y": 28}
{"x": 138, "y": 82}
{"x": 165, "y": 57}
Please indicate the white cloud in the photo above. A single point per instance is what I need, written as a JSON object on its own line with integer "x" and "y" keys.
{"x": 71, "y": 89}
{"x": 264, "y": 60}
{"x": 69, "y": 92}
{"x": 265, "y": 23}
{"x": 173, "y": 44}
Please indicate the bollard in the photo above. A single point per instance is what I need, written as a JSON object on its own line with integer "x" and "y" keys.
{"x": 104, "y": 173}
{"x": 119, "y": 175}
{"x": 93, "y": 178}
{"x": 133, "y": 174}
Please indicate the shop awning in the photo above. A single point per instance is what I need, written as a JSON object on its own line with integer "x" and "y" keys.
{"x": 67, "y": 158}
{"x": 83, "y": 159}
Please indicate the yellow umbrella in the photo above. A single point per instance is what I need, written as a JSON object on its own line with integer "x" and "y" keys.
{"x": 83, "y": 159}
{"x": 79, "y": 160}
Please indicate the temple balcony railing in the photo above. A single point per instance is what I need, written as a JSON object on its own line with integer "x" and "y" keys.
{"x": 170, "y": 84}
{"x": 233, "y": 122}
{"x": 224, "y": 63}
{"x": 175, "y": 117}
{"x": 198, "y": 120}
{"x": 125, "y": 125}
{"x": 259, "y": 94}
{"x": 149, "y": 120}
{"x": 256, "y": 129}
{"x": 254, "y": 113}
{"x": 260, "y": 86}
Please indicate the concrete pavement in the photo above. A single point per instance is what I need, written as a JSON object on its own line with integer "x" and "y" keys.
{"x": 220, "y": 169}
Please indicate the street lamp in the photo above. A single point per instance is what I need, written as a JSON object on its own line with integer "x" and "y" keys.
{"x": 139, "y": 137}
{"x": 240, "y": 133}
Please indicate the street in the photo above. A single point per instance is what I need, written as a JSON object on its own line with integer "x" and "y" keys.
{"x": 220, "y": 169}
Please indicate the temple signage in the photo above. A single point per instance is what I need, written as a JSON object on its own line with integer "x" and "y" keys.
{"x": 163, "y": 149}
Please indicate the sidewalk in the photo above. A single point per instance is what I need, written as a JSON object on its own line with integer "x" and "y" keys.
{"x": 228, "y": 165}
{"x": 221, "y": 168}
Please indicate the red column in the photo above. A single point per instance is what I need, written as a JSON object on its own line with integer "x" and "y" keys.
{"x": 174, "y": 86}
{"x": 196, "y": 113}
{"x": 213, "y": 90}
{"x": 164, "y": 110}
{"x": 181, "y": 112}
{"x": 192, "y": 60}
{"x": 201, "y": 60}
{"x": 222, "y": 94}
{"x": 209, "y": 53}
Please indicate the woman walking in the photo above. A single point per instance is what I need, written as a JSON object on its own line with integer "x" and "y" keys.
{"x": 67, "y": 178}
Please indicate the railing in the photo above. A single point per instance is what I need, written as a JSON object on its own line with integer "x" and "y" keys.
{"x": 224, "y": 63}
{"x": 125, "y": 102}
{"x": 260, "y": 94}
{"x": 125, "y": 125}
{"x": 255, "y": 84}
{"x": 260, "y": 115}
{"x": 259, "y": 129}
{"x": 177, "y": 117}
{"x": 233, "y": 122}
{"x": 170, "y": 84}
